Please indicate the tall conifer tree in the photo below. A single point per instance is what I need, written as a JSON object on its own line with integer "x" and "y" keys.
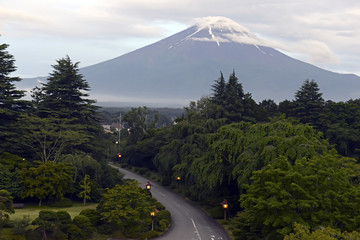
{"x": 11, "y": 104}
{"x": 219, "y": 90}
{"x": 308, "y": 104}
{"x": 63, "y": 99}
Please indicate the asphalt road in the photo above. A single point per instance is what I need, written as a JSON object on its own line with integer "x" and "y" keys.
{"x": 188, "y": 222}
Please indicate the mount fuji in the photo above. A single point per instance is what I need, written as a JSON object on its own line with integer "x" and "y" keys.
{"x": 182, "y": 68}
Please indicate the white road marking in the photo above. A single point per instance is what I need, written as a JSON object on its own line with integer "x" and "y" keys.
{"x": 196, "y": 230}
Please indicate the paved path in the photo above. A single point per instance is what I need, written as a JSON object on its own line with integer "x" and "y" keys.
{"x": 188, "y": 222}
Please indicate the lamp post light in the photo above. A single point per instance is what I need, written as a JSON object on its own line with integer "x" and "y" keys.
{"x": 148, "y": 186}
{"x": 152, "y": 214}
{"x": 178, "y": 179}
{"x": 225, "y": 206}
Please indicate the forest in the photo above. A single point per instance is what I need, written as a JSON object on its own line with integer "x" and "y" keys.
{"x": 289, "y": 170}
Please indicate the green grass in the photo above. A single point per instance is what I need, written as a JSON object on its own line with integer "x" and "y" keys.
{"x": 33, "y": 210}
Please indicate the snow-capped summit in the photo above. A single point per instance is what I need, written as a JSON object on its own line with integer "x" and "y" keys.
{"x": 221, "y": 30}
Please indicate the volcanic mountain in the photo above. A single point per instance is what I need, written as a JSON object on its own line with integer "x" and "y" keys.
{"x": 182, "y": 68}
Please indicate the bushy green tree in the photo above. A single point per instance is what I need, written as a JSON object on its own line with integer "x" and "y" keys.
{"x": 139, "y": 123}
{"x": 340, "y": 123}
{"x": 314, "y": 191}
{"x": 46, "y": 180}
{"x": 47, "y": 224}
{"x": 83, "y": 165}
{"x": 128, "y": 206}
{"x": 48, "y": 137}
{"x": 238, "y": 149}
{"x": 84, "y": 224}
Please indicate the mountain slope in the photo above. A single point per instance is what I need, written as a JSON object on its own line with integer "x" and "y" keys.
{"x": 183, "y": 67}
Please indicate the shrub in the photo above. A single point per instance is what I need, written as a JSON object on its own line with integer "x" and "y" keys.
{"x": 64, "y": 217}
{"x": 84, "y": 224}
{"x": 164, "y": 214}
{"x": 75, "y": 232}
{"x": 163, "y": 224}
{"x": 64, "y": 220}
{"x": 93, "y": 215}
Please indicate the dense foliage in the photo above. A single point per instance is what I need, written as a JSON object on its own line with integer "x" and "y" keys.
{"x": 292, "y": 162}
{"x": 128, "y": 206}
{"x": 53, "y": 149}
{"x": 49, "y": 144}
{"x": 288, "y": 169}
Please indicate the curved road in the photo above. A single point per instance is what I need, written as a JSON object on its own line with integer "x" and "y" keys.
{"x": 187, "y": 221}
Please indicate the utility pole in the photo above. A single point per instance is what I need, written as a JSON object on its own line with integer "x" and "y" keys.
{"x": 118, "y": 138}
{"x": 119, "y": 130}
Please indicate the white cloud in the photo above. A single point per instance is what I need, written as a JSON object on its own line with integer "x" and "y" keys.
{"x": 318, "y": 52}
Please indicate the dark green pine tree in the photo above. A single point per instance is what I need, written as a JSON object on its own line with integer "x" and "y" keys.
{"x": 219, "y": 90}
{"x": 65, "y": 98}
{"x": 234, "y": 99}
{"x": 11, "y": 104}
{"x": 308, "y": 104}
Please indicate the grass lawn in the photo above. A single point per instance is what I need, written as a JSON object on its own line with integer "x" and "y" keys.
{"x": 33, "y": 210}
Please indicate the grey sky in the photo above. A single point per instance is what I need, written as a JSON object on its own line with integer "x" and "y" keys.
{"x": 323, "y": 32}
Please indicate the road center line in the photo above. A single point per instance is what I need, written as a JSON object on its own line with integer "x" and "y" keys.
{"x": 196, "y": 230}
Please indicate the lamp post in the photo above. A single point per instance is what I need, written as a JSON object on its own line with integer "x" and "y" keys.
{"x": 152, "y": 214}
{"x": 178, "y": 179}
{"x": 225, "y": 206}
{"x": 148, "y": 186}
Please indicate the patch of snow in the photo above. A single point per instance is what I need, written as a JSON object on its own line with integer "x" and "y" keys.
{"x": 205, "y": 39}
{"x": 220, "y": 23}
{"x": 223, "y": 29}
{"x": 213, "y": 36}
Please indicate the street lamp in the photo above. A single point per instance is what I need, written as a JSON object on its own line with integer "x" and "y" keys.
{"x": 148, "y": 186}
{"x": 152, "y": 214}
{"x": 178, "y": 179}
{"x": 225, "y": 206}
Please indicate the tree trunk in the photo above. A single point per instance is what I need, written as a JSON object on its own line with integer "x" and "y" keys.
{"x": 40, "y": 202}
{"x": 44, "y": 235}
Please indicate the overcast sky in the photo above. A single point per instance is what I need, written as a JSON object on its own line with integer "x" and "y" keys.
{"x": 325, "y": 33}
